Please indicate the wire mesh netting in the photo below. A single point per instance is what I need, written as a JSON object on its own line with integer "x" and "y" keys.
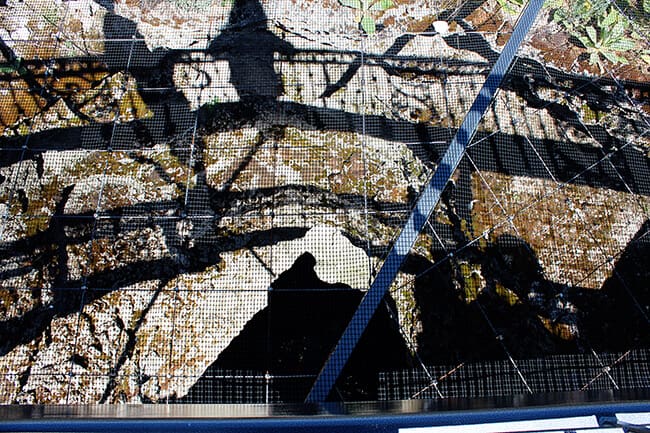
{"x": 195, "y": 196}
{"x": 558, "y": 373}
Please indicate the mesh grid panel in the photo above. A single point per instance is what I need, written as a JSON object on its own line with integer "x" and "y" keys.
{"x": 194, "y": 198}
{"x": 560, "y": 373}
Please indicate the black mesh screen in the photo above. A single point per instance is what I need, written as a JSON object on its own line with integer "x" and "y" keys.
{"x": 195, "y": 196}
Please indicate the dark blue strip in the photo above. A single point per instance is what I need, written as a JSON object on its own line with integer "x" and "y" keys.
{"x": 332, "y": 423}
{"x": 423, "y": 208}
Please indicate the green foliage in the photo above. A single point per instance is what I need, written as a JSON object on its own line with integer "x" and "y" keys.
{"x": 364, "y": 11}
{"x": 6, "y": 69}
{"x": 600, "y": 28}
{"x": 15, "y": 66}
{"x": 577, "y": 14}
{"x": 645, "y": 56}
{"x": 607, "y": 39}
{"x": 213, "y": 102}
{"x": 511, "y": 6}
{"x": 193, "y": 5}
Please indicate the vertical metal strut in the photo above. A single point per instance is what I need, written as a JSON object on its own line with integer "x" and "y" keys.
{"x": 423, "y": 208}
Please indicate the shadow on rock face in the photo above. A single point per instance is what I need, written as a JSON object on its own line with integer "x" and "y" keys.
{"x": 249, "y": 47}
{"x": 618, "y": 318}
{"x": 294, "y": 335}
{"x": 529, "y": 314}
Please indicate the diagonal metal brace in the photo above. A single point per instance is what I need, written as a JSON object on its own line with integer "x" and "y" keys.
{"x": 423, "y": 208}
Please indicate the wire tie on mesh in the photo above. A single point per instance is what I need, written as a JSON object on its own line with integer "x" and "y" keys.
{"x": 604, "y": 371}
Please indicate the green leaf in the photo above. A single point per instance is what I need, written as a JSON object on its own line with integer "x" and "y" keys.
{"x": 618, "y": 30}
{"x": 645, "y": 58}
{"x": 382, "y": 5}
{"x": 15, "y": 66}
{"x": 354, "y": 4}
{"x": 621, "y": 45}
{"x": 507, "y": 5}
{"x": 646, "y": 6}
{"x": 598, "y": 7}
{"x": 591, "y": 32}
{"x": 593, "y": 59}
{"x": 368, "y": 24}
{"x": 511, "y": 10}
{"x": 610, "y": 19}
{"x": 585, "y": 41}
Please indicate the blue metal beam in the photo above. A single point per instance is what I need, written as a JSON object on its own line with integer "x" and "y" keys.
{"x": 373, "y": 417}
{"x": 423, "y": 208}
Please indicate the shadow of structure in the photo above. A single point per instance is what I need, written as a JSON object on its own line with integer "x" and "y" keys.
{"x": 624, "y": 300}
{"x": 291, "y": 338}
{"x": 518, "y": 314}
{"x": 517, "y": 296}
{"x": 248, "y": 46}
{"x": 454, "y": 328}
{"x": 294, "y": 334}
{"x": 512, "y": 337}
